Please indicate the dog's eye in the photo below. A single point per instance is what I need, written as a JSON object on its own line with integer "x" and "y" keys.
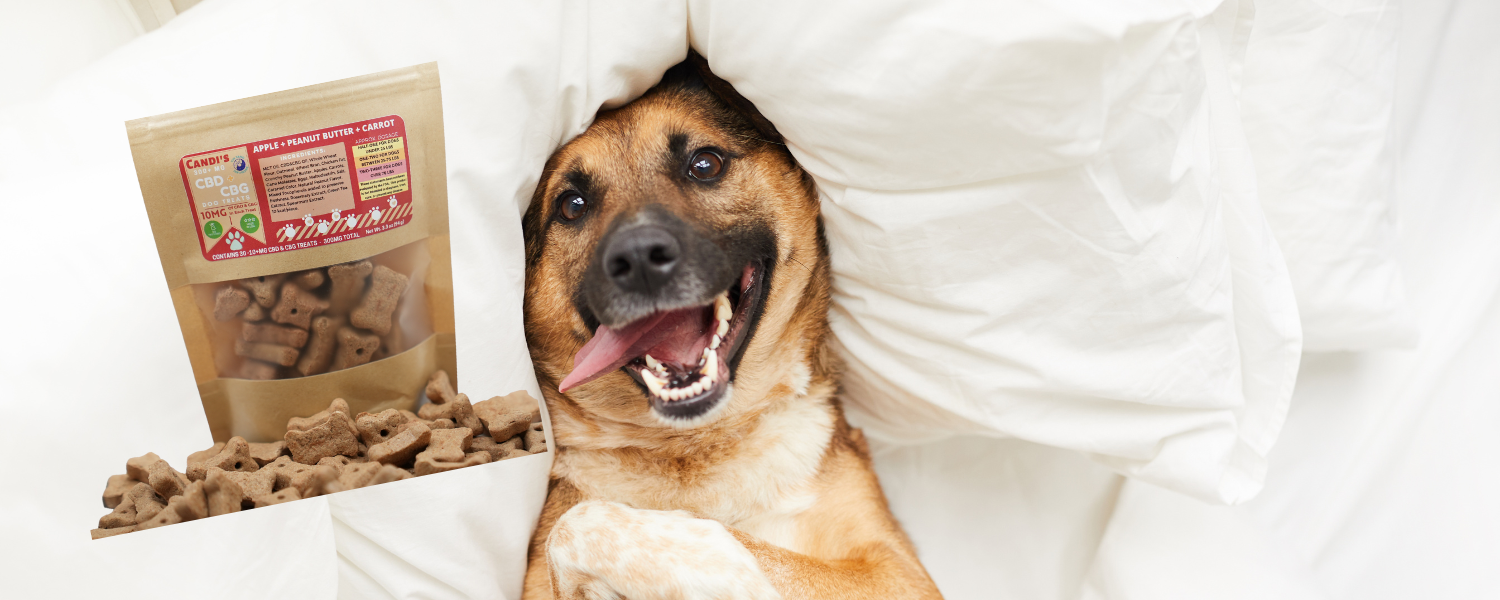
{"x": 573, "y": 206}
{"x": 706, "y": 165}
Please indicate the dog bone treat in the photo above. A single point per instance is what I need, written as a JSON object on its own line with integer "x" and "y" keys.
{"x": 301, "y": 423}
{"x": 319, "y": 353}
{"x": 234, "y": 456}
{"x": 427, "y": 466}
{"x": 151, "y": 469}
{"x": 286, "y": 495}
{"x": 229, "y": 302}
{"x": 331, "y": 436}
{"x": 457, "y": 410}
{"x": 191, "y": 505}
{"x": 536, "y": 439}
{"x": 375, "y": 309}
{"x": 123, "y": 515}
{"x": 297, "y": 306}
{"x": 348, "y": 283}
{"x": 402, "y": 447}
{"x": 274, "y": 334}
{"x": 440, "y": 388}
{"x": 509, "y": 415}
{"x": 448, "y": 445}
{"x": 114, "y": 490}
{"x": 310, "y": 279}
{"x": 266, "y": 452}
{"x": 285, "y": 356}
{"x": 146, "y": 502}
{"x": 321, "y": 454}
{"x": 354, "y": 349}
{"x": 263, "y": 288}
{"x": 252, "y": 485}
{"x": 254, "y": 312}
{"x": 223, "y": 495}
{"x": 379, "y": 427}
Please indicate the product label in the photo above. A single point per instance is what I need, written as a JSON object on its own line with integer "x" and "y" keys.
{"x": 300, "y": 191}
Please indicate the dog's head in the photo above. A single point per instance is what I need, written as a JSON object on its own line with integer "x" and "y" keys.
{"x": 676, "y": 267}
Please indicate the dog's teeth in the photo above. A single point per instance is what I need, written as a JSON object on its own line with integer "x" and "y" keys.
{"x": 723, "y": 328}
{"x": 721, "y": 307}
{"x": 714, "y": 343}
{"x": 711, "y": 370}
{"x": 653, "y": 363}
{"x": 653, "y": 383}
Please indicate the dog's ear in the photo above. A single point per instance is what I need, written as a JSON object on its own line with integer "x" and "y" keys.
{"x": 694, "y": 72}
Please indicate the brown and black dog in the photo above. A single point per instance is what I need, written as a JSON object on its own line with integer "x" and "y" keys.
{"x": 677, "y": 291}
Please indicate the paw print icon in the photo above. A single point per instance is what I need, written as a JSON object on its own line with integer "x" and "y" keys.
{"x": 393, "y": 202}
{"x": 236, "y": 240}
{"x": 350, "y": 221}
{"x": 308, "y": 220}
{"x": 288, "y": 232}
{"x": 335, "y": 214}
{"x": 322, "y": 227}
{"x": 375, "y": 213}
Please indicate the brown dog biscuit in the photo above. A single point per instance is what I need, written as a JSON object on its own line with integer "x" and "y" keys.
{"x": 252, "y": 485}
{"x": 223, "y": 495}
{"x": 437, "y": 424}
{"x": 487, "y": 445}
{"x": 270, "y": 333}
{"x": 375, "y": 309}
{"x": 440, "y": 388}
{"x": 100, "y": 534}
{"x": 234, "y": 456}
{"x": 277, "y": 354}
{"x": 401, "y": 448}
{"x": 151, "y": 469}
{"x": 302, "y": 423}
{"x": 448, "y": 445}
{"x": 319, "y": 352}
{"x": 123, "y": 514}
{"x": 379, "y": 427}
{"x": 348, "y": 283}
{"x": 354, "y": 349}
{"x": 254, "y": 312}
{"x": 229, "y": 302}
{"x": 458, "y": 409}
{"x": 196, "y": 459}
{"x": 358, "y": 475}
{"x": 115, "y": 488}
{"x": 284, "y": 470}
{"x": 263, "y": 288}
{"x": 428, "y": 466}
{"x": 509, "y": 415}
{"x": 285, "y": 495}
{"x": 265, "y": 452}
{"x": 323, "y": 479}
{"x": 191, "y": 504}
{"x": 257, "y": 370}
{"x": 333, "y": 435}
{"x": 536, "y": 439}
{"x": 167, "y": 516}
{"x": 297, "y": 306}
{"x": 309, "y": 279}
{"x": 145, "y": 500}
{"x": 337, "y": 462}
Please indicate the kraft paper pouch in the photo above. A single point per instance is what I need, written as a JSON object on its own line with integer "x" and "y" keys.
{"x": 304, "y": 236}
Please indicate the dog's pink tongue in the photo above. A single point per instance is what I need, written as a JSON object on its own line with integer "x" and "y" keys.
{"x": 607, "y": 351}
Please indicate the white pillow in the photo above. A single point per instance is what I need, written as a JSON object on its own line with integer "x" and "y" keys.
{"x": 1043, "y": 223}
{"x": 1319, "y": 86}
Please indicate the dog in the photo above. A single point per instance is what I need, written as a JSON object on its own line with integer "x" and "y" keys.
{"x": 676, "y": 310}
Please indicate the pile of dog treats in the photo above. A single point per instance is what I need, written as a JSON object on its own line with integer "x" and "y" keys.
{"x": 328, "y": 452}
{"x": 313, "y": 321}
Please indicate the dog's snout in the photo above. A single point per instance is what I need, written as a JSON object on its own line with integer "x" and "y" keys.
{"x": 642, "y": 259}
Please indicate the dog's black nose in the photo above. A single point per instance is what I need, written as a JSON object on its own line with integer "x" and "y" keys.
{"x": 642, "y": 259}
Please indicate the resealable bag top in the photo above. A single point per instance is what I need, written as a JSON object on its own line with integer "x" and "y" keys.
{"x": 304, "y": 237}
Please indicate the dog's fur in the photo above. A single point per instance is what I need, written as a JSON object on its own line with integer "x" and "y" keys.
{"x": 768, "y": 494}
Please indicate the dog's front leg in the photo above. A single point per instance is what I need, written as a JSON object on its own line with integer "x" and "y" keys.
{"x": 605, "y": 550}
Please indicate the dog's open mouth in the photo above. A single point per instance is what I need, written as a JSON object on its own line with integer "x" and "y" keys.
{"x": 685, "y": 358}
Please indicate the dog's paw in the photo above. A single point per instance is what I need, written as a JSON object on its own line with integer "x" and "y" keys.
{"x": 375, "y": 214}
{"x": 603, "y": 550}
{"x": 236, "y": 241}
